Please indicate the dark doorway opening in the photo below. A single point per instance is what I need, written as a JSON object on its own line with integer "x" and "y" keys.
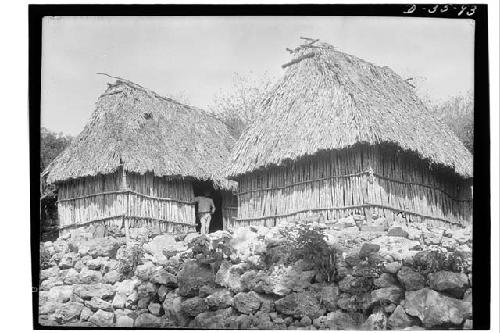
{"x": 199, "y": 188}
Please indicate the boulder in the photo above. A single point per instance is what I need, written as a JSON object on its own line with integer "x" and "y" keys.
{"x": 355, "y": 284}
{"x": 451, "y": 283}
{"x": 149, "y": 320}
{"x": 385, "y": 280}
{"x": 97, "y": 263}
{"x": 356, "y": 302}
{"x": 229, "y": 276}
{"x": 102, "y": 318}
{"x": 88, "y": 276}
{"x": 161, "y": 276}
{"x": 367, "y": 249}
{"x": 48, "y": 307}
{"x": 212, "y": 320}
{"x": 119, "y": 301}
{"x": 112, "y": 277}
{"x": 385, "y": 295}
{"x": 434, "y": 309}
{"x": 410, "y": 279}
{"x": 154, "y": 308}
{"x": 247, "y": 303}
{"x": 220, "y": 299}
{"x": 72, "y": 277}
{"x": 51, "y": 272}
{"x": 172, "y": 307}
{"x": 194, "y": 306}
{"x": 299, "y": 305}
{"x": 392, "y": 267}
{"x": 399, "y": 319}
{"x": 50, "y": 283}
{"x": 124, "y": 321}
{"x": 397, "y": 232}
{"x": 328, "y": 296}
{"x": 67, "y": 312}
{"x": 164, "y": 244}
{"x": 335, "y": 321}
{"x": 101, "y": 290}
{"x": 68, "y": 260}
{"x": 127, "y": 287}
{"x": 377, "y": 321}
{"x": 398, "y": 247}
{"x": 192, "y": 277}
{"x": 60, "y": 294}
{"x": 145, "y": 271}
{"x": 85, "y": 314}
{"x": 100, "y": 247}
{"x": 96, "y": 303}
{"x": 246, "y": 243}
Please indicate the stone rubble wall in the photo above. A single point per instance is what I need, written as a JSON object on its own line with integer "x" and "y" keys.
{"x": 406, "y": 277}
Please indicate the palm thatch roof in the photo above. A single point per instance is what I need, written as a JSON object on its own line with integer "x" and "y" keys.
{"x": 145, "y": 132}
{"x": 330, "y": 100}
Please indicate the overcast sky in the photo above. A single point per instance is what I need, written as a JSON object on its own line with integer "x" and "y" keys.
{"x": 196, "y": 57}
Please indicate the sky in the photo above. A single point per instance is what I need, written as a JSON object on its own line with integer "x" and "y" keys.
{"x": 195, "y": 58}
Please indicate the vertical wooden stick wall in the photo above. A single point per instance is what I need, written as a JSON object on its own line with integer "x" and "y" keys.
{"x": 124, "y": 198}
{"x": 364, "y": 180}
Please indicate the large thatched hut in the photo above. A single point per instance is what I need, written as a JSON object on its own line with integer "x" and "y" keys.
{"x": 140, "y": 161}
{"x": 340, "y": 136}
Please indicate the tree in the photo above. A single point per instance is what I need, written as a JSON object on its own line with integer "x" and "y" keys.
{"x": 237, "y": 108}
{"x": 51, "y": 145}
{"x": 458, "y": 114}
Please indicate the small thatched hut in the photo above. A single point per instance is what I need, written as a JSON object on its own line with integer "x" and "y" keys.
{"x": 140, "y": 161}
{"x": 340, "y": 136}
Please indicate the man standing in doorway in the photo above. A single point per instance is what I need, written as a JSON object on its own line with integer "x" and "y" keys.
{"x": 206, "y": 208}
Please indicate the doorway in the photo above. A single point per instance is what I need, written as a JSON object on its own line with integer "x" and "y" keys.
{"x": 199, "y": 188}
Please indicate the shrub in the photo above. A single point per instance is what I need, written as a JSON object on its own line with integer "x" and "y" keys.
{"x": 44, "y": 257}
{"x": 130, "y": 259}
{"x": 308, "y": 243}
{"x": 436, "y": 260}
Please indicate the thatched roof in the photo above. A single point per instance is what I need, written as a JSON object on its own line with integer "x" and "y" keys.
{"x": 146, "y": 132}
{"x": 330, "y": 100}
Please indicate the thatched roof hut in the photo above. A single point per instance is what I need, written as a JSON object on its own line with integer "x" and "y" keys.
{"x": 139, "y": 158}
{"x": 339, "y": 118}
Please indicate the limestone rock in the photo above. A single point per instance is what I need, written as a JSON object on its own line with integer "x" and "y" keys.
{"x": 335, "y": 321}
{"x": 247, "y": 303}
{"x": 368, "y": 249}
{"x": 88, "y": 276}
{"x": 145, "y": 271}
{"x": 96, "y": 304}
{"x": 154, "y": 308}
{"x": 67, "y": 312}
{"x": 124, "y": 321}
{"x": 192, "y": 277}
{"x": 148, "y": 320}
{"x": 172, "y": 307}
{"x": 299, "y": 305}
{"x": 384, "y": 295}
{"x": 400, "y": 320}
{"x": 392, "y": 267}
{"x": 68, "y": 260}
{"x": 220, "y": 299}
{"x": 397, "y": 232}
{"x": 101, "y": 290}
{"x": 355, "y": 284}
{"x": 60, "y": 293}
{"x": 102, "y": 318}
{"x": 411, "y": 279}
{"x": 377, "y": 321}
{"x": 163, "y": 277}
{"x": 453, "y": 284}
{"x": 385, "y": 280}
{"x": 194, "y": 306}
{"x": 229, "y": 276}
{"x": 112, "y": 277}
{"x": 434, "y": 309}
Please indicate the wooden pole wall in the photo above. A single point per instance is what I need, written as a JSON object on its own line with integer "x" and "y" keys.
{"x": 365, "y": 180}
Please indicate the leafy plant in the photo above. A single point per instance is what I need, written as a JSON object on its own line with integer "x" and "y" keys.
{"x": 309, "y": 243}
{"x": 44, "y": 257}
{"x": 130, "y": 259}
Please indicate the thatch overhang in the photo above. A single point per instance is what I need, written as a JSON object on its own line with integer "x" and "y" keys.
{"x": 137, "y": 129}
{"x": 330, "y": 100}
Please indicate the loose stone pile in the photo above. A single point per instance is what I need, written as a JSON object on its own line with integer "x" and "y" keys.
{"x": 406, "y": 277}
